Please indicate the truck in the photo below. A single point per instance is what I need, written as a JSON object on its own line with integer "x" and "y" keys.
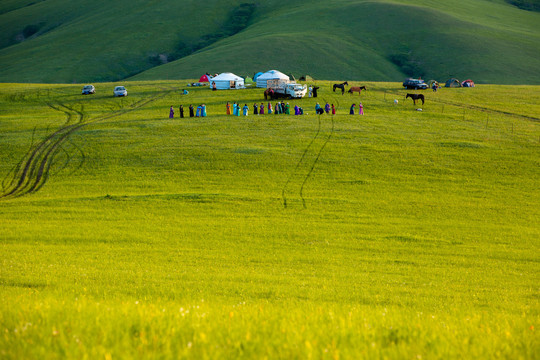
{"x": 284, "y": 89}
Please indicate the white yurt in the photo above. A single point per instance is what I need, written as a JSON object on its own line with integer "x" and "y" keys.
{"x": 227, "y": 80}
{"x": 270, "y": 75}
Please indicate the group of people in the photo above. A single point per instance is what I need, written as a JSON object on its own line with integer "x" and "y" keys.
{"x": 277, "y": 109}
{"x": 320, "y": 110}
{"x": 200, "y": 111}
{"x": 312, "y": 91}
{"x": 360, "y": 109}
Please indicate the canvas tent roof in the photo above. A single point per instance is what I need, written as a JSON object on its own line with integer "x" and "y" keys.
{"x": 270, "y": 75}
{"x": 228, "y": 80}
{"x": 453, "y": 83}
{"x": 257, "y": 75}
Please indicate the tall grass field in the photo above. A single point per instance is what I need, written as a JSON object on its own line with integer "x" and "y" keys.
{"x": 411, "y": 232}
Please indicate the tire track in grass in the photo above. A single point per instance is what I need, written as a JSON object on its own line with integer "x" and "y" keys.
{"x": 33, "y": 171}
{"x": 303, "y": 160}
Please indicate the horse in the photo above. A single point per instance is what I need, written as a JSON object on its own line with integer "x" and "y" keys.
{"x": 340, "y": 86}
{"x": 356, "y": 88}
{"x": 269, "y": 94}
{"x": 415, "y": 97}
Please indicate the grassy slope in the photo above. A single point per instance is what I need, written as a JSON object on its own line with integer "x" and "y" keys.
{"x": 168, "y": 238}
{"x": 489, "y": 41}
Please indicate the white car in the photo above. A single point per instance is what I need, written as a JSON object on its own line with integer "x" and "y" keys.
{"x": 120, "y": 91}
{"x": 88, "y": 89}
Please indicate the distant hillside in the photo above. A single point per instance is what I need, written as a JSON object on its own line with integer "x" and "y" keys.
{"x": 490, "y": 41}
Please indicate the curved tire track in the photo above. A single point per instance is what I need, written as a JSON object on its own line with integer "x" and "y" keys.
{"x": 32, "y": 172}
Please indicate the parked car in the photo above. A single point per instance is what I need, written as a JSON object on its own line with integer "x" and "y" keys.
{"x": 120, "y": 91}
{"x": 88, "y": 89}
{"x": 415, "y": 84}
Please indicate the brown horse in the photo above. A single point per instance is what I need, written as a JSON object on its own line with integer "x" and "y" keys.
{"x": 357, "y": 89}
{"x": 415, "y": 97}
{"x": 268, "y": 94}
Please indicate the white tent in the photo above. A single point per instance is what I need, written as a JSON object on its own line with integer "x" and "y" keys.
{"x": 270, "y": 75}
{"x": 225, "y": 81}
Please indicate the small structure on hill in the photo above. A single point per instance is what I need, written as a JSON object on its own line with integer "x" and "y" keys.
{"x": 306, "y": 78}
{"x": 468, "y": 83}
{"x": 257, "y": 75}
{"x": 453, "y": 83}
{"x": 226, "y": 81}
{"x": 205, "y": 78}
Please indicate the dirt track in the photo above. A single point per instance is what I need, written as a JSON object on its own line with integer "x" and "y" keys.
{"x": 33, "y": 170}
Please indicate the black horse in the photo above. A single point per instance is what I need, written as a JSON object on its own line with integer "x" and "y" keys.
{"x": 415, "y": 97}
{"x": 340, "y": 86}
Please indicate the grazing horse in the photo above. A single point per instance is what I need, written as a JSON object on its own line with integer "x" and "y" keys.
{"x": 415, "y": 97}
{"x": 340, "y": 86}
{"x": 356, "y": 88}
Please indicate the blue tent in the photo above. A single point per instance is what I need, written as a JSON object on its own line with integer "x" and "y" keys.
{"x": 256, "y": 76}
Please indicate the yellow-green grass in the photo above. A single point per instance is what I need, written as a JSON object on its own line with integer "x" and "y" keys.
{"x": 405, "y": 234}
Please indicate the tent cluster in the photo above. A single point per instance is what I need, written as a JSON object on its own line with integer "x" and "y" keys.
{"x": 227, "y": 80}
{"x": 454, "y": 83}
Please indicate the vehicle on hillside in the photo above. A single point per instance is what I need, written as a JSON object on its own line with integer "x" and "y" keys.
{"x": 120, "y": 91}
{"x": 88, "y": 89}
{"x": 283, "y": 89}
{"x": 415, "y": 84}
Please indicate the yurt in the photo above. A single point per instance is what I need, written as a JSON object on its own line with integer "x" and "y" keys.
{"x": 270, "y": 75}
{"x": 225, "y": 81}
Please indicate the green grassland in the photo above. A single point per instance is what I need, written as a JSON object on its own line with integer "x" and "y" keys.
{"x": 398, "y": 234}
{"x": 489, "y": 41}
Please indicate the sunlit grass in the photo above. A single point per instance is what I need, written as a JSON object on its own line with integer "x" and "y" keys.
{"x": 406, "y": 233}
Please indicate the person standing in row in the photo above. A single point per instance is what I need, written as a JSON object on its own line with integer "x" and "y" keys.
{"x": 203, "y": 110}
{"x": 333, "y": 110}
{"x": 181, "y": 111}
{"x": 198, "y": 112}
{"x": 228, "y": 108}
{"x": 262, "y": 109}
{"x": 315, "y": 88}
{"x": 327, "y": 108}
{"x": 351, "y": 111}
{"x": 245, "y": 110}
{"x": 236, "y": 109}
{"x": 269, "y": 108}
{"x": 191, "y": 114}
{"x": 255, "y": 109}
{"x": 295, "y": 109}
{"x": 360, "y": 109}
{"x": 287, "y": 109}
{"x": 171, "y": 113}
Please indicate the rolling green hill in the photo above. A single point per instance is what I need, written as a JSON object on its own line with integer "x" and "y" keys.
{"x": 490, "y": 41}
